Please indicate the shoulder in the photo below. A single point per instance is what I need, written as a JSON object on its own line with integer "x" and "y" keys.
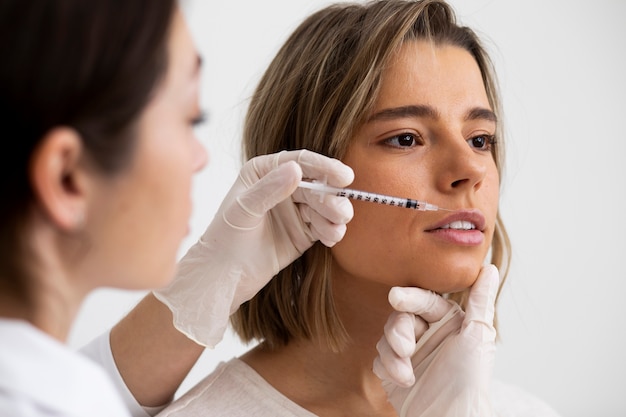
{"x": 233, "y": 389}
{"x": 512, "y": 401}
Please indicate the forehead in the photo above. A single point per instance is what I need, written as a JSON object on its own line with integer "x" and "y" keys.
{"x": 431, "y": 74}
{"x": 183, "y": 60}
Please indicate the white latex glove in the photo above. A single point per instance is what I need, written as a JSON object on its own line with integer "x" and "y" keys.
{"x": 264, "y": 223}
{"x": 436, "y": 360}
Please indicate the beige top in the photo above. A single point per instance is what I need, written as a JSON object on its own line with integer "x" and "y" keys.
{"x": 234, "y": 389}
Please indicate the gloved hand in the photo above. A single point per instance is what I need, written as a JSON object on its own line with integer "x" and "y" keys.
{"x": 264, "y": 223}
{"x": 436, "y": 360}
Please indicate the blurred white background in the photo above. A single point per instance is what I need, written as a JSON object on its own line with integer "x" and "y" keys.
{"x": 561, "y": 66}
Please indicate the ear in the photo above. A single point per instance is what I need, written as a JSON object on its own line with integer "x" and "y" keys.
{"x": 59, "y": 178}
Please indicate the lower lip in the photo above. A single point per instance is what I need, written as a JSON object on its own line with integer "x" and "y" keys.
{"x": 460, "y": 237}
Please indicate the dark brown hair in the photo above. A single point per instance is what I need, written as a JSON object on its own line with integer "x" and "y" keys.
{"x": 88, "y": 65}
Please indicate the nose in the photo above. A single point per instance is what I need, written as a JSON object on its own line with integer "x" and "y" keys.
{"x": 462, "y": 167}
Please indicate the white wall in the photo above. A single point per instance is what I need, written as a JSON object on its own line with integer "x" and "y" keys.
{"x": 562, "y": 66}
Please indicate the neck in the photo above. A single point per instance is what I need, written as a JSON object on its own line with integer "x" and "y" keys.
{"x": 51, "y": 310}
{"x": 334, "y": 382}
{"x": 56, "y": 311}
{"x": 52, "y": 297}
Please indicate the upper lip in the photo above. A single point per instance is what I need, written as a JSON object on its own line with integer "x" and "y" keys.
{"x": 473, "y": 216}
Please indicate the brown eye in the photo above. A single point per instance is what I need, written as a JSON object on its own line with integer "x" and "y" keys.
{"x": 482, "y": 142}
{"x": 406, "y": 140}
{"x": 403, "y": 140}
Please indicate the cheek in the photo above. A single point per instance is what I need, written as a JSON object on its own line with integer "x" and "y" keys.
{"x": 380, "y": 244}
{"x": 387, "y": 245}
{"x": 365, "y": 251}
{"x": 490, "y": 199}
{"x": 161, "y": 207}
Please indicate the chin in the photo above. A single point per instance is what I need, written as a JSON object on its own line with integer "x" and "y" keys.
{"x": 450, "y": 280}
{"x": 448, "y": 288}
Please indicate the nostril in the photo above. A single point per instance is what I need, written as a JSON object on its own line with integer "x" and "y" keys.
{"x": 457, "y": 183}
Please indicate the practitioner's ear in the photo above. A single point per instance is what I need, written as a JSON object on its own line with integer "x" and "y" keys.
{"x": 59, "y": 178}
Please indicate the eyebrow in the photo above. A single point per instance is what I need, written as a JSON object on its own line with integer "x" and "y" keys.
{"x": 424, "y": 111}
{"x": 481, "y": 113}
{"x": 405, "y": 112}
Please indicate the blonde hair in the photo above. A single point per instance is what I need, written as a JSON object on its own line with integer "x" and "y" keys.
{"x": 317, "y": 91}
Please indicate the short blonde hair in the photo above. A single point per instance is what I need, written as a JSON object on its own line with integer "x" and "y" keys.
{"x": 317, "y": 91}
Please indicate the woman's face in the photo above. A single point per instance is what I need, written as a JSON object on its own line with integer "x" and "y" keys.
{"x": 143, "y": 213}
{"x": 428, "y": 138}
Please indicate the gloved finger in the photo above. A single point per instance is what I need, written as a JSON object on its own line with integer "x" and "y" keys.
{"x": 392, "y": 367}
{"x": 336, "y": 209}
{"x": 424, "y": 303}
{"x": 319, "y": 167}
{"x": 437, "y": 332}
{"x": 380, "y": 371}
{"x": 252, "y": 204}
{"x": 419, "y": 327}
{"x": 482, "y": 298}
{"x": 402, "y": 330}
{"x": 327, "y": 233}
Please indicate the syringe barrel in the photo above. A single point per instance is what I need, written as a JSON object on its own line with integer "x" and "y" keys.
{"x": 369, "y": 197}
{"x": 373, "y": 197}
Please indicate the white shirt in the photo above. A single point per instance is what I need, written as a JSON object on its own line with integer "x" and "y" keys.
{"x": 234, "y": 389}
{"x": 39, "y": 376}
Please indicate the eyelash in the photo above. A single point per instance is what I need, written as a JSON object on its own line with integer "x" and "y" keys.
{"x": 199, "y": 119}
{"x": 489, "y": 141}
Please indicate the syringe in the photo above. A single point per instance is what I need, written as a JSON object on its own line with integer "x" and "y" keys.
{"x": 322, "y": 188}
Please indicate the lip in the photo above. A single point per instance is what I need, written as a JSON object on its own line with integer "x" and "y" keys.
{"x": 474, "y": 216}
{"x": 471, "y": 237}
